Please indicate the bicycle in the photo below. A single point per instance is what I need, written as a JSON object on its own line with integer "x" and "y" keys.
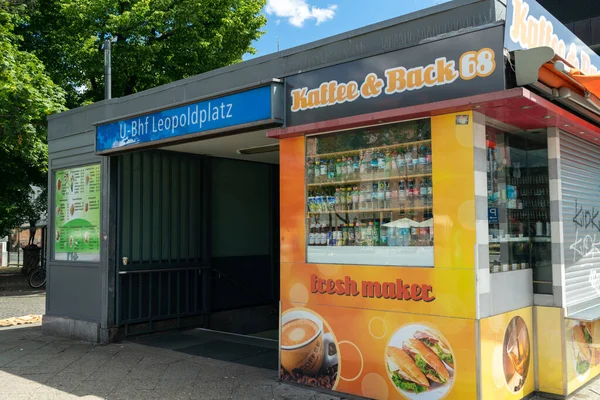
{"x": 37, "y": 278}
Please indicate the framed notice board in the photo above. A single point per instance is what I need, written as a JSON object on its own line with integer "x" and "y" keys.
{"x": 77, "y": 213}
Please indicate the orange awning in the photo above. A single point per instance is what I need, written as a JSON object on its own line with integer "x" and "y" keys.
{"x": 591, "y": 83}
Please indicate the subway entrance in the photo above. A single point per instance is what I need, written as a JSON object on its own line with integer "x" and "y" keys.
{"x": 198, "y": 238}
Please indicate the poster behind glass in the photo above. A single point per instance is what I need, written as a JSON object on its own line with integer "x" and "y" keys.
{"x": 77, "y": 214}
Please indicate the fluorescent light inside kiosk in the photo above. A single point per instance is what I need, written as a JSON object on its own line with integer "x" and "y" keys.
{"x": 259, "y": 149}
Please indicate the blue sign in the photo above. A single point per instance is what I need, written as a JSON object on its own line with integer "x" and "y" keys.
{"x": 493, "y": 215}
{"x": 223, "y": 112}
{"x": 529, "y": 25}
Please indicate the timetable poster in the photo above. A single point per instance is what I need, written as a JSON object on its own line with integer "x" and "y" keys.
{"x": 77, "y": 214}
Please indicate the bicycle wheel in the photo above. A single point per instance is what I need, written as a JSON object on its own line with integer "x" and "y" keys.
{"x": 37, "y": 279}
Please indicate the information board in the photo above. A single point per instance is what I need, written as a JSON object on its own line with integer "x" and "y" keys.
{"x": 77, "y": 214}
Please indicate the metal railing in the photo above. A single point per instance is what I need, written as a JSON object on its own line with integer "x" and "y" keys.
{"x": 146, "y": 296}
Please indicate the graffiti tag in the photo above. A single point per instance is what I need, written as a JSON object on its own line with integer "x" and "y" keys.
{"x": 585, "y": 218}
{"x": 584, "y": 246}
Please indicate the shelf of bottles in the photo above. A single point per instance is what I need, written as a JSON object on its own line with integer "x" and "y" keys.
{"x": 380, "y": 196}
{"x": 519, "y": 235}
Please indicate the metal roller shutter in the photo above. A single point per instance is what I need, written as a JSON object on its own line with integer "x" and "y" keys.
{"x": 580, "y": 175}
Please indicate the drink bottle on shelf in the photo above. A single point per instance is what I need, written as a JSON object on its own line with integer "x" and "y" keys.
{"x": 317, "y": 173}
{"x": 344, "y": 169}
{"x": 410, "y": 192}
{"x": 408, "y": 160}
{"x": 428, "y": 158}
{"x": 364, "y": 234}
{"x": 423, "y": 160}
{"x": 377, "y": 234}
{"x": 323, "y": 236}
{"x": 338, "y": 169}
{"x": 311, "y": 235}
{"x": 310, "y": 171}
{"x": 349, "y": 169}
{"x": 430, "y": 192}
{"x": 338, "y": 199}
{"x": 351, "y": 235}
{"x": 380, "y": 163}
{"x": 345, "y": 235}
{"x": 364, "y": 165}
{"x": 349, "y": 200}
{"x": 415, "y": 159}
{"x": 357, "y": 233}
{"x": 374, "y": 196}
{"x": 331, "y": 171}
{"x": 330, "y": 239}
{"x": 370, "y": 234}
{"x": 394, "y": 156}
{"x": 423, "y": 192}
{"x": 323, "y": 172}
{"x": 356, "y": 167}
{"x": 388, "y": 195}
{"x": 401, "y": 161}
{"x": 387, "y": 169}
{"x": 355, "y": 198}
{"x": 381, "y": 194}
{"x": 373, "y": 164}
{"x": 402, "y": 193}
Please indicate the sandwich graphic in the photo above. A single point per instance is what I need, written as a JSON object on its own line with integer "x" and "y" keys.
{"x": 427, "y": 361}
{"x": 404, "y": 371}
{"x": 582, "y": 339}
{"x": 437, "y": 344}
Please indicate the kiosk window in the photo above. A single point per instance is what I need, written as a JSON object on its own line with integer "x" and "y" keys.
{"x": 369, "y": 196}
{"x": 519, "y": 205}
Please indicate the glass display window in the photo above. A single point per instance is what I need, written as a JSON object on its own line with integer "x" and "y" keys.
{"x": 519, "y": 204}
{"x": 370, "y": 196}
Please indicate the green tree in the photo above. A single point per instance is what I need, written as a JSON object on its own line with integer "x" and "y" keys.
{"x": 27, "y": 97}
{"x": 153, "y": 41}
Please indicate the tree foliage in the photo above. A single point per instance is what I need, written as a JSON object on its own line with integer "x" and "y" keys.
{"x": 27, "y": 97}
{"x": 153, "y": 41}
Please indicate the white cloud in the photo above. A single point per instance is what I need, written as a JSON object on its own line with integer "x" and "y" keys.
{"x": 298, "y": 11}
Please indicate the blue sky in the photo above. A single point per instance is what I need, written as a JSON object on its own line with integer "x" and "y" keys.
{"x": 297, "y": 22}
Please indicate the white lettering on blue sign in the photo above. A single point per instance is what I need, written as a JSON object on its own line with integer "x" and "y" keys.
{"x": 226, "y": 112}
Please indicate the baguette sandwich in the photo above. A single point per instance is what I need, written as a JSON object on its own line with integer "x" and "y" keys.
{"x": 427, "y": 361}
{"x": 582, "y": 339}
{"x": 437, "y": 344}
{"x": 404, "y": 372}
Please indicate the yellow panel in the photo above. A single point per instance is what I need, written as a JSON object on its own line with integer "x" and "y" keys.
{"x": 576, "y": 346}
{"x": 507, "y": 359}
{"x": 548, "y": 322}
{"x": 454, "y": 191}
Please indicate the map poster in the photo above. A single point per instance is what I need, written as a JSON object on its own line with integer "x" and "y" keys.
{"x": 77, "y": 214}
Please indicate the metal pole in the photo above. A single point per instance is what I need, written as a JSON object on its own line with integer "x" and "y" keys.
{"x": 107, "y": 71}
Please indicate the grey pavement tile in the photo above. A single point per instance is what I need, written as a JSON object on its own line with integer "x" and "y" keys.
{"x": 18, "y": 384}
{"x": 155, "y": 371}
{"x": 175, "y": 388}
{"x": 251, "y": 391}
{"x": 29, "y": 360}
{"x": 182, "y": 370}
{"x": 54, "y": 347}
{"x": 128, "y": 393}
{"x": 94, "y": 387}
{"x": 66, "y": 382}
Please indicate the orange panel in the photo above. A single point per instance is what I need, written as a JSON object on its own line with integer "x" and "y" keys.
{"x": 293, "y": 235}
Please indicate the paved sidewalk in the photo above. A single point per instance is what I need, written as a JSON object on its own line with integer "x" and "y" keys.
{"x": 34, "y": 366}
{"x": 18, "y": 306}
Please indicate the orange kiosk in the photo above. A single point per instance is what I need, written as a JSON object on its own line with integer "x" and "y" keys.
{"x": 423, "y": 224}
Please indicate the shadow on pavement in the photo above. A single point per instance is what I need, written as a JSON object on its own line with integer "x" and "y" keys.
{"x": 168, "y": 366}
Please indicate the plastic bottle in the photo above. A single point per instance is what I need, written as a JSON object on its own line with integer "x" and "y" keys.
{"x": 355, "y": 198}
{"x": 387, "y": 195}
{"x": 345, "y": 235}
{"x": 311, "y": 235}
{"x": 401, "y": 161}
{"x": 338, "y": 169}
{"x": 375, "y": 196}
{"x": 363, "y": 164}
{"x": 363, "y": 234}
{"x": 351, "y": 235}
{"x": 357, "y": 233}
{"x": 402, "y": 193}
{"x": 428, "y": 158}
{"x": 343, "y": 168}
{"x": 387, "y": 169}
{"x": 349, "y": 169}
{"x": 383, "y": 237}
{"x": 423, "y": 192}
{"x": 339, "y": 240}
{"x": 324, "y": 230}
{"x": 356, "y": 168}
{"x": 343, "y": 200}
{"x": 317, "y": 173}
{"x": 429, "y": 192}
{"x": 423, "y": 159}
{"x": 349, "y": 200}
{"x": 381, "y": 194}
{"x": 408, "y": 161}
{"x": 330, "y": 171}
{"x": 405, "y": 239}
{"x": 370, "y": 230}
{"x": 324, "y": 171}
{"x": 330, "y": 240}
{"x": 380, "y": 162}
{"x": 338, "y": 199}
{"x": 377, "y": 234}
{"x": 394, "y": 203}
{"x": 415, "y": 159}
{"x": 310, "y": 171}
{"x": 410, "y": 191}
{"x": 374, "y": 164}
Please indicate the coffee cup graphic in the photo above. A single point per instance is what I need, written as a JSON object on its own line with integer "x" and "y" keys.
{"x": 304, "y": 344}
